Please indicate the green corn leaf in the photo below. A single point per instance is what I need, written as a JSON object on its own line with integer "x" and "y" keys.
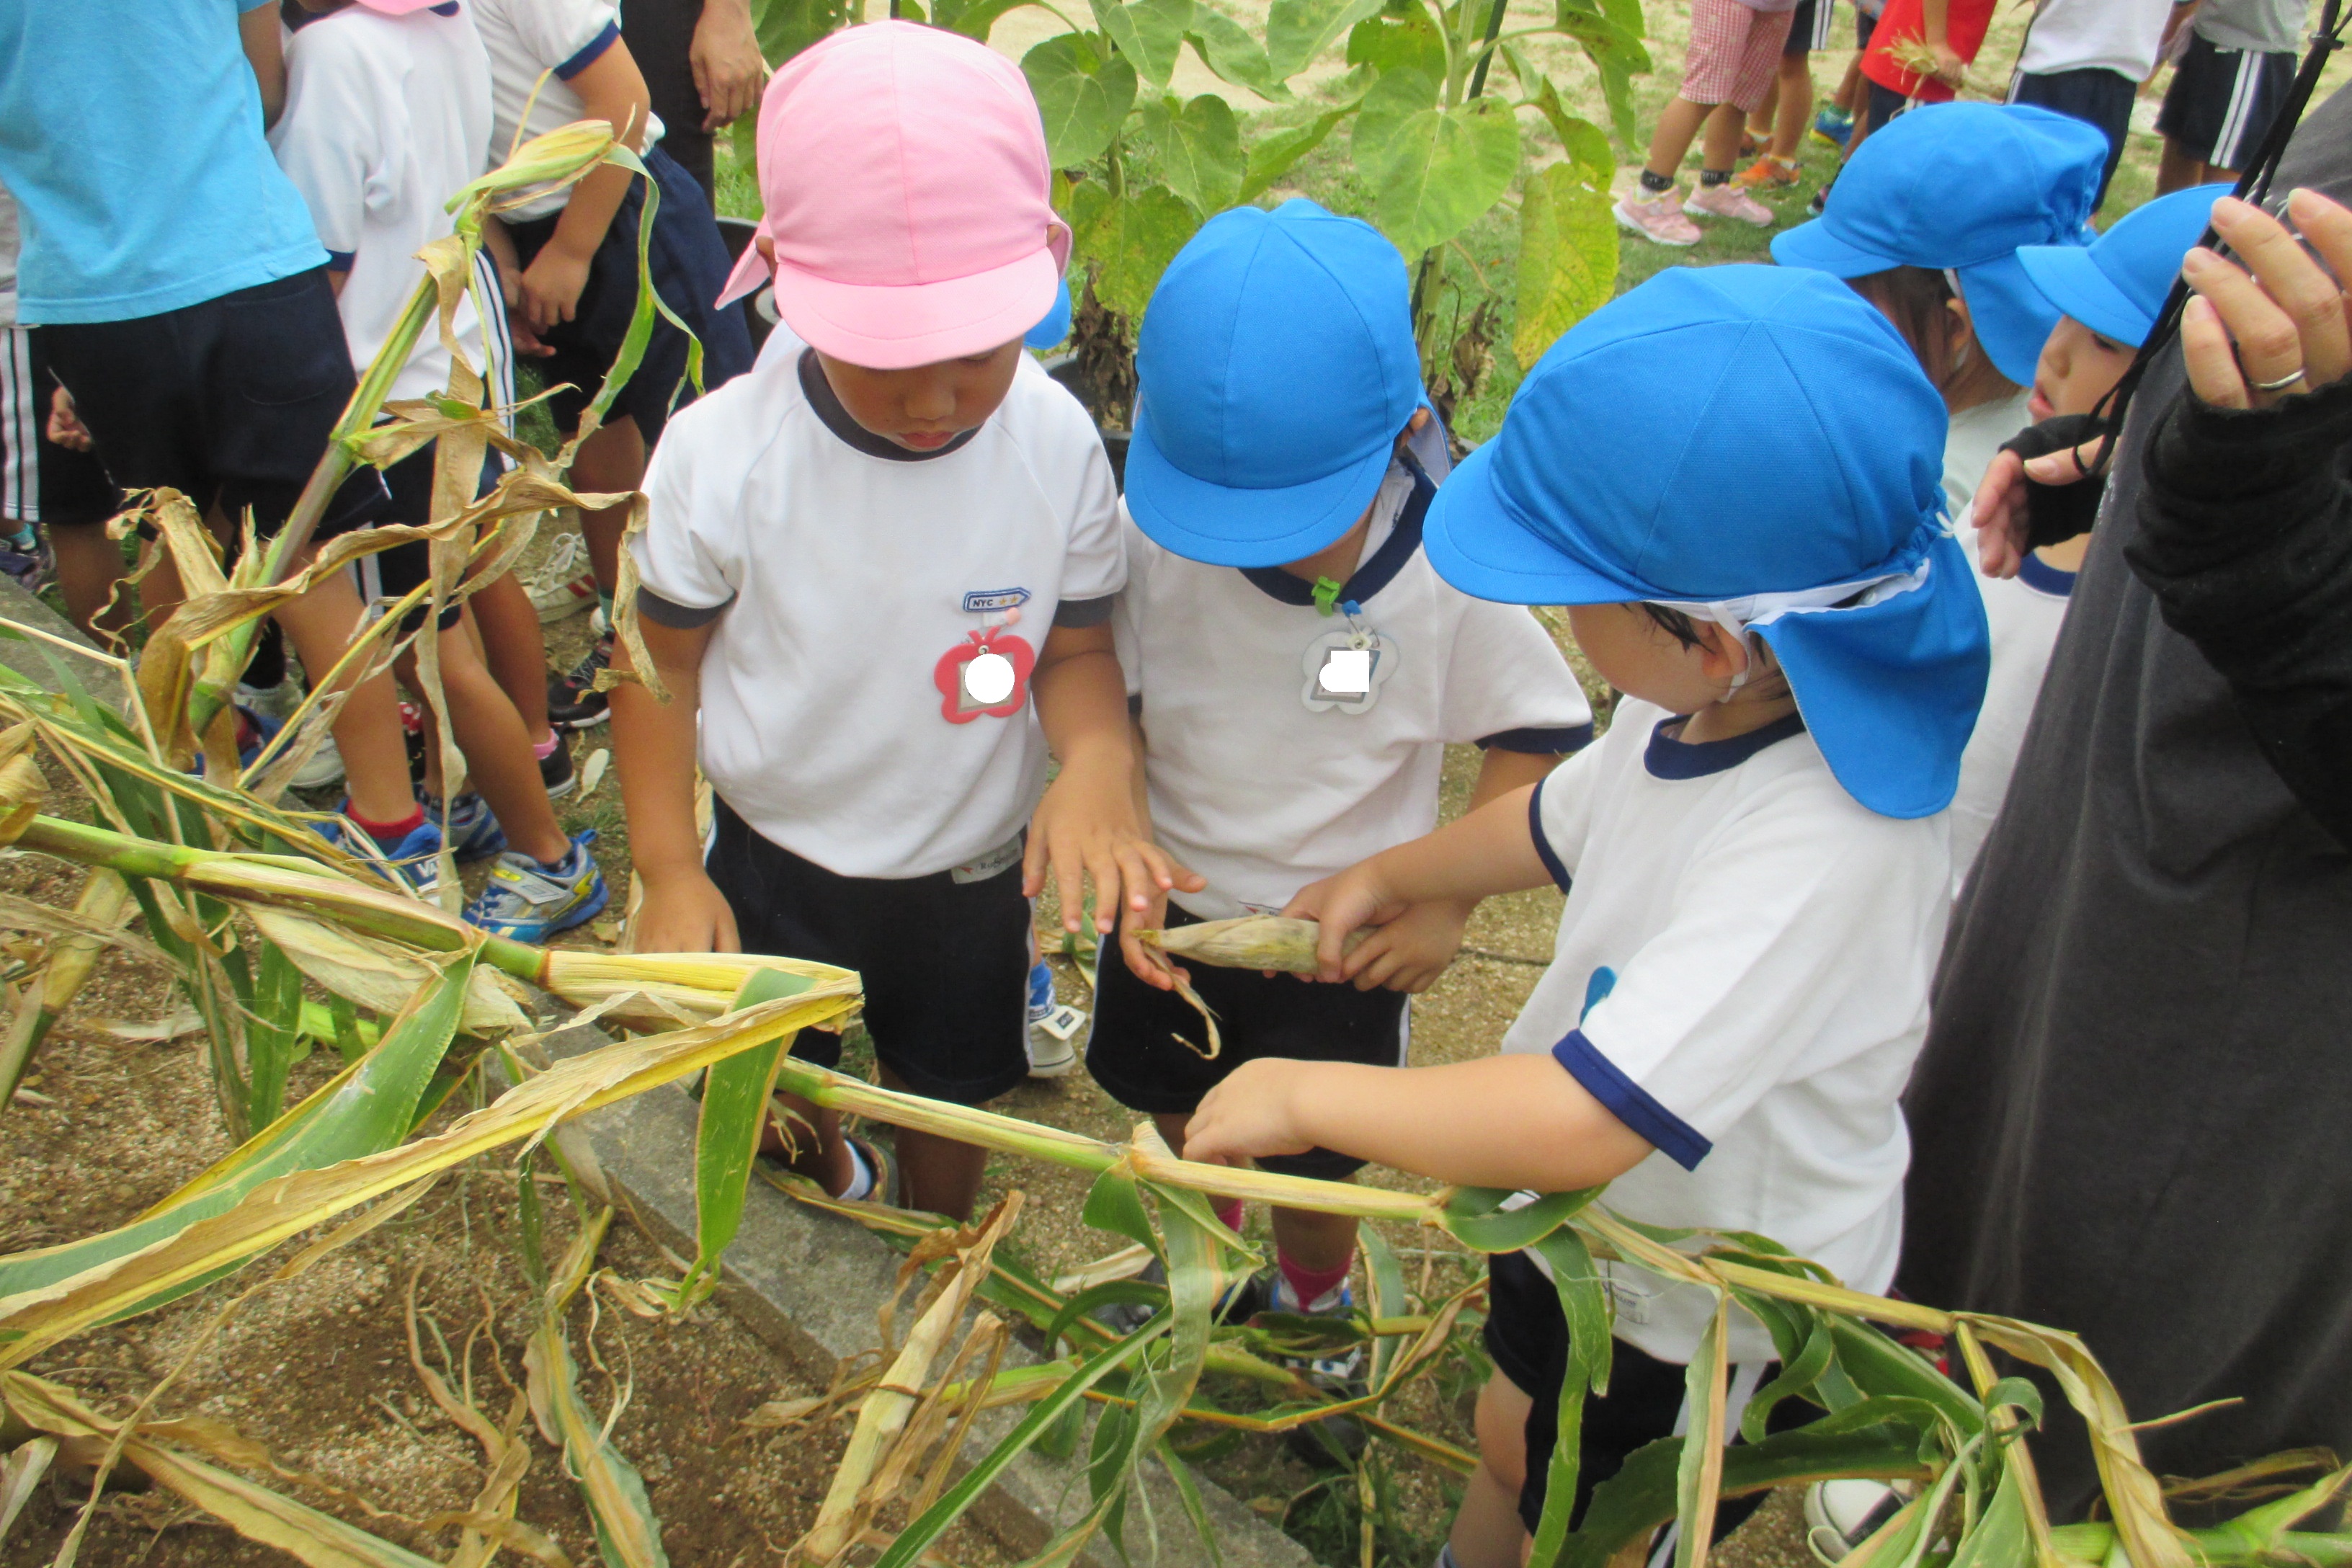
{"x": 1798, "y": 1374}
{"x": 1114, "y": 1204}
{"x": 1433, "y": 171}
{"x": 733, "y": 1115}
{"x": 1129, "y": 240}
{"x": 1584, "y": 1302}
{"x": 1228, "y": 49}
{"x": 1084, "y": 91}
{"x": 1188, "y": 1492}
{"x": 1149, "y": 33}
{"x": 2001, "y": 1537}
{"x": 1199, "y": 147}
{"x": 1385, "y": 1274}
{"x": 1476, "y": 1218}
{"x": 1297, "y": 31}
{"x": 1111, "y": 1293}
{"x": 1699, "y": 1478}
{"x": 366, "y": 1109}
{"x": 1410, "y": 41}
{"x": 1568, "y": 256}
{"x": 1273, "y": 156}
{"x": 273, "y": 1026}
{"x": 1877, "y": 1365}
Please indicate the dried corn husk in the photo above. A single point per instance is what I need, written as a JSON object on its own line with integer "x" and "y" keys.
{"x": 378, "y": 975}
{"x": 1253, "y": 942}
{"x": 21, "y": 785}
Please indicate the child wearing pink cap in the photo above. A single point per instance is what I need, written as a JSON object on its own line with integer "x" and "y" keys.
{"x": 880, "y": 568}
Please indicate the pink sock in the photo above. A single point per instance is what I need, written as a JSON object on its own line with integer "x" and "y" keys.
{"x": 1309, "y": 1285}
{"x": 1229, "y": 1215}
{"x": 546, "y": 749}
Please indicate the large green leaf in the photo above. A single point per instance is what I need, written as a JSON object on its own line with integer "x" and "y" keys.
{"x": 1604, "y": 38}
{"x": 1199, "y": 147}
{"x": 727, "y": 1132}
{"x": 1433, "y": 171}
{"x": 1083, "y": 90}
{"x": 785, "y": 28}
{"x": 1478, "y": 1219}
{"x": 1584, "y": 1304}
{"x": 973, "y": 18}
{"x": 1234, "y": 54}
{"x": 1394, "y": 43}
{"x": 1149, "y": 33}
{"x": 1129, "y": 240}
{"x": 1296, "y": 31}
{"x": 1586, "y": 144}
{"x": 1568, "y": 256}
{"x": 367, "y": 1108}
{"x": 1275, "y": 156}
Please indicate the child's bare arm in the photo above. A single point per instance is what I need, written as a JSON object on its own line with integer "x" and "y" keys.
{"x": 1934, "y": 22}
{"x": 1488, "y": 851}
{"x": 654, "y": 748}
{"x": 264, "y": 51}
{"x": 1501, "y": 1122}
{"x": 610, "y": 88}
{"x": 1088, "y": 821}
{"x": 1412, "y": 950}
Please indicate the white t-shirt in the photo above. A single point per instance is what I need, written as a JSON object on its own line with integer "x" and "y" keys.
{"x": 527, "y": 39}
{"x": 1262, "y": 793}
{"x": 2024, "y": 612}
{"x": 848, "y": 580}
{"x": 386, "y": 117}
{"x": 2120, "y": 36}
{"x": 1976, "y": 435}
{"x": 1741, "y": 976}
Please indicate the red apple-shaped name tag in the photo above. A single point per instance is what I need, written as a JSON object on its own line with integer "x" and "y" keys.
{"x": 986, "y": 673}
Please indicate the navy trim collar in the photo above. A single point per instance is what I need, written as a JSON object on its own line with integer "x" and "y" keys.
{"x": 1369, "y": 577}
{"x": 2042, "y": 577}
{"x": 1668, "y": 758}
{"x": 826, "y": 404}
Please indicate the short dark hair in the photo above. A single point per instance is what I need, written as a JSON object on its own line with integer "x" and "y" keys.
{"x": 1916, "y": 300}
{"x": 1673, "y": 623}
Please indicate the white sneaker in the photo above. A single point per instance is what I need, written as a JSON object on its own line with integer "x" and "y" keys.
{"x": 563, "y": 586}
{"x": 1053, "y": 1029}
{"x": 325, "y": 767}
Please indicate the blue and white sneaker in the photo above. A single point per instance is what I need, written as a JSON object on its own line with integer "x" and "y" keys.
{"x": 1335, "y": 1439}
{"x": 530, "y": 903}
{"x": 415, "y": 862}
{"x": 1049, "y": 1056}
{"x": 472, "y": 829}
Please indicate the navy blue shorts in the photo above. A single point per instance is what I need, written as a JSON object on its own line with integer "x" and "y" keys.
{"x": 41, "y": 482}
{"x": 690, "y": 265}
{"x": 2221, "y": 102}
{"x": 2096, "y": 96}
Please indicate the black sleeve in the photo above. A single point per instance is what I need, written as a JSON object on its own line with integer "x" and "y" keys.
{"x": 2245, "y": 538}
{"x": 1084, "y": 612}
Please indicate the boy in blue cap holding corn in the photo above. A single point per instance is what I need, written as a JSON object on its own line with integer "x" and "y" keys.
{"x": 1758, "y": 845}
{"x": 2107, "y": 296}
{"x": 1295, "y": 666}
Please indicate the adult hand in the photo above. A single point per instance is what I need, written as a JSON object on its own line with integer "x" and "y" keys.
{"x": 66, "y": 427}
{"x": 729, "y": 71}
{"x": 686, "y": 913}
{"x": 2286, "y": 316}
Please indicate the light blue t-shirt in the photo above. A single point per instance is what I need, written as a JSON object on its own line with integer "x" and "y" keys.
{"x": 131, "y": 136}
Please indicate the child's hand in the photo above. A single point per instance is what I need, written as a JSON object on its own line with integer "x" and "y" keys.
{"x": 552, "y": 285}
{"x": 1252, "y": 1113}
{"x": 1411, "y": 952}
{"x": 1150, "y": 964}
{"x": 686, "y": 913}
{"x": 1341, "y": 904}
{"x": 1950, "y": 70}
{"x": 66, "y": 427}
{"x": 1087, "y": 824}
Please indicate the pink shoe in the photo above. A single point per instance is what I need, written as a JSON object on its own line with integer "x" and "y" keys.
{"x": 1729, "y": 200}
{"x": 1655, "y": 220}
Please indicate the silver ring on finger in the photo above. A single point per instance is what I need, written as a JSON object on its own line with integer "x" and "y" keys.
{"x": 2281, "y": 384}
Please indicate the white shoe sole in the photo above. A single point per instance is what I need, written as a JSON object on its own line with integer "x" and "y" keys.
{"x": 1633, "y": 225}
{"x": 1694, "y": 210}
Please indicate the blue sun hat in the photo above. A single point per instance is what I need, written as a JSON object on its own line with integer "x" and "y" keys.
{"x": 1758, "y": 446}
{"x": 1275, "y": 369}
{"x": 1056, "y": 324}
{"x": 2116, "y": 286}
{"x": 1960, "y": 187}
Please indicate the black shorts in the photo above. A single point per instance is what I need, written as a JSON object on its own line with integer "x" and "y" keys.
{"x": 41, "y": 482}
{"x": 2221, "y": 102}
{"x": 389, "y": 573}
{"x": 1527, "y": 1336}
{"x": 1135, "y": 1051}
{"x": 2093, "y": 95}
{"x": 689, "y": 266}
{"x": 230, "y": 400}
{"x": 1864, "y": 25}
{"x": 945, "y": 963}
{"x": 1809, "y": 28}
{"x": 660, "y": 35}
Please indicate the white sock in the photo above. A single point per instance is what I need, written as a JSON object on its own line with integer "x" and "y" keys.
{"x": 861, "y": 1178}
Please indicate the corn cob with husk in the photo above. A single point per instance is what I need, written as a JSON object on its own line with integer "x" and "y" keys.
{"x": 1253, "y": 942}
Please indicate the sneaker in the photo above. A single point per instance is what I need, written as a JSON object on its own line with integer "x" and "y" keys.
{"x": 563, "y": 585}
{"x": 528, "y": 902}
{"x": 1833, "y": 128}
{"x": 1728, "y": 200}
{"x": 1841, "y": 1515}
{"x": 1819, "y": 202}
{"x": 278, "y": 701}
{"x": 573, "y": 700}
{"x": 1770, "y": 173}
{"x": 470, "y": 827}
{"x": 556, "y": 769}
{"x": 415, "y": 862}
{"x": 1655, "y": 220}
{"x": 1336, "y": 1440}
{"x": 28, "y": 568}
{"x": 324, "y": 768}
{"x": 1049, "y": 1056}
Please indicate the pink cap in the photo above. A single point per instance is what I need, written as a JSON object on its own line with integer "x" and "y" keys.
{"x": 903, "y": 169}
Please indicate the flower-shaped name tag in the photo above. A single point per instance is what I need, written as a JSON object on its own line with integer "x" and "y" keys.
{"x": 1345, "y": 668}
